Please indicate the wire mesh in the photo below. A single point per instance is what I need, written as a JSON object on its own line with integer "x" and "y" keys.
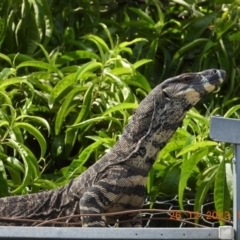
{"x": 174, "y": 217}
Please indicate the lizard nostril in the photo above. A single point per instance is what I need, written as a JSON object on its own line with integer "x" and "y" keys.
{"x": 214, "y": 71}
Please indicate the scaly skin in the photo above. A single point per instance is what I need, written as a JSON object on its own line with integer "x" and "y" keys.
{"x": 118, "y": 180}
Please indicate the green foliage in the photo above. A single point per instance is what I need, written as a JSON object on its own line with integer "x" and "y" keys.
{"x": 72, "y": 71}
{"x": 196, "y": 163}
{"x": 56, "y": 114}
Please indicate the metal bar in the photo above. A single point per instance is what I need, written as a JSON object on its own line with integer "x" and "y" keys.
{"x": 236, "y": 198}
{"x": 115, "y": 233}
{"x": 225, "y": 129}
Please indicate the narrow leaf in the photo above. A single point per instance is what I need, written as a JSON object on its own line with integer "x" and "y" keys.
{"x": 3, "y": 181}
{"x": 202, "y": 191}
{"x": 35, "y": 132}
{"x": 187, "y": 168}
{"x": 231, "y": 111}
{"x": 88, "y": 67}
{"x": 83, "y": 157}
{"x": 11, "y": 81}
{"x": 86, "y": 106}
{"x": 75, "y": 55}
{"x": 120, "y": 106}
{"x": 94, "y": 120}
{"x": 197, "y": 146}
{"x": 60, "y": 87}
{"x": 61, "y": 114}
{"x": 221, "y": 193}
{"x": 42, "y": 65}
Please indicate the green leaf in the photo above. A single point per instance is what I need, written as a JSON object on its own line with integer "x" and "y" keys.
{"x": 45, "y": 184}
{"x": 87, "y": 67}
{"x": 169, "y": 185}
{"x": 33, "y": 36}
{"x": 35, "y": 118}
{"x": 19, "y": 58}
{"x": 221, "y": 192}
{"x": 143, "y": 81}
{"x": 13, "y": 162}
{"x": 11, "y": 81}
{"x": 27, "y": 164}
{"x": 41, "y": 65}
{"x": 6, "y": 58}
{"x": 121, "y": 71}
{"x": 61, "y": 114}
{"x": 83, "y": 157}
{"x": 197, "y": 26}
{"x": 141, "y": 62}
{"x": 108, "y": 33}
{"x": 143, "y": 15}
{"x": 86, "y": 106}
{"x": 122, "y": 85}
{"x": 75, "y": 55}
{"x": 170, "y": 147}
{"x": 94, "y": 120}
{"x": 4, "y": 11}
{"x": 102, "y": 46}
{"x": 7, "y": 72}
{"x": 66, "y": 82}
{"x": 35, "y": 132}
{"x": 3, "y": 181}
{"x": 196, "y": 116}
{"x": 48, "y": 21}
{"x": 203, "y": 189}
{"x": 196, "y": 146}
{"x": 231, "y": 111}
{"x": 187, "y": 168}
{"x": 125, "y": 44}
{"x": 120, "y": 106}
{"x": 188, "y": 47}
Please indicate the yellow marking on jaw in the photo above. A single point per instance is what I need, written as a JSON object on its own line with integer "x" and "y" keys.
{"x": 192, "y": 96}
{"x": 209, "y": 87}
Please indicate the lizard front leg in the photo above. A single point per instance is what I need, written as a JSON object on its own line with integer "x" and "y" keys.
{"x": 94, "y": 201}
{"x": 111, "y": 195}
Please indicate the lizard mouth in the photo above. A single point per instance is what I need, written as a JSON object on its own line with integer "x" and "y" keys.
{"x": 217, "y": 78}
{"x": 211, "y": 82}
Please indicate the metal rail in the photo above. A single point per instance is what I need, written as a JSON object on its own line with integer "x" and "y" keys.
{"x": 115, "y": 233}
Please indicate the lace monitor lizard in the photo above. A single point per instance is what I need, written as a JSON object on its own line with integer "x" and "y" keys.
{"x": 118, "y": 180}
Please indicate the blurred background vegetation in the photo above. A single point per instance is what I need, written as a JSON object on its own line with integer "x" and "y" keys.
{"x": 72, "y": 71}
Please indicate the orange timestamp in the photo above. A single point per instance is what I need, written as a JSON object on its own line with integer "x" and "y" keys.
{"x": 209, "y": 215}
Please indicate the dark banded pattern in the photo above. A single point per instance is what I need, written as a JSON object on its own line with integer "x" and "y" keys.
{"x": 118, "y": 180}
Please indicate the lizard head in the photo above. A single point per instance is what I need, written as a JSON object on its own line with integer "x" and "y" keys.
{"x": 192, "y": 86}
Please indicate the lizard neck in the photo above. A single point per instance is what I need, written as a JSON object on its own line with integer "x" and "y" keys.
{"x": 161, "y": 128}
{"x": 148, "y": 131}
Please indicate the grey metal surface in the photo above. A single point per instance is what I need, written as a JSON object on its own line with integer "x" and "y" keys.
{"x": 225, "y": 129}
{"x": 228, "y": 130}
{"x": 236, "y": 191}
{"x": 115, "y": 233}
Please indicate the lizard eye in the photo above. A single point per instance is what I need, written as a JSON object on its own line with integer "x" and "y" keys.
{"x": 187, "y": 79}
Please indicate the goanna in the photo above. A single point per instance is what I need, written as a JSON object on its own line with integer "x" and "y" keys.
{"x": 118, "y": 180}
